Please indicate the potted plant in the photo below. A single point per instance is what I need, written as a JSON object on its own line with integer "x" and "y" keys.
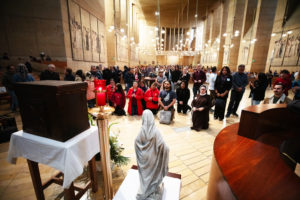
{"x": 115, "y": 148}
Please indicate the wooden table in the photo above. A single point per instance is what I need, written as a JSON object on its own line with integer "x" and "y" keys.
{"x": 69, "y": 194}
{"x": 247, "y": 163}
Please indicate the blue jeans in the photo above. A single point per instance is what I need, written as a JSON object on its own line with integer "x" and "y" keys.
{"x": 14, "y": 100}
{"x": 254, "y": 102}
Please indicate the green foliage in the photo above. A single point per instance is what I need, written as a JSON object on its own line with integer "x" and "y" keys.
{"x": 91, "y": 119}
{"x": 115, "y": 149}
{"x": 116, "y": 152}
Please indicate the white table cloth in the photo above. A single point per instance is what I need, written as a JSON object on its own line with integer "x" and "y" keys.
{"x": 69, "y": 157}
{"x": 129, "y": 188}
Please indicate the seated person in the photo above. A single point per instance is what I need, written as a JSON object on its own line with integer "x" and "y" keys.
{"x": 90, "y": 92}
{"x": 279, "y": 97}
{"x": 135, "y": 96}
{"x": 167, "y": 98}
{"x": 151, "y": 98}
{"x": 152, "y": 155}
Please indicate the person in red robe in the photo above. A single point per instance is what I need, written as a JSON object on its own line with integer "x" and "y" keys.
{"x": 118, "y": 100}
{"x": 151, "y": 98}
{"x": 135, "y": 95}
{"x": 110, "y": 89}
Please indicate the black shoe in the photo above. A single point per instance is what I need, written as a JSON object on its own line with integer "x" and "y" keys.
{"x": 227, "y": 115}
{"x": 215, "y": 117}
{"x": 221, "y": 119}
{"x": 234, "y": 114}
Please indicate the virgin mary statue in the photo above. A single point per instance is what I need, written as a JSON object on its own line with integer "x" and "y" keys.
{"x": 152, "y": 156}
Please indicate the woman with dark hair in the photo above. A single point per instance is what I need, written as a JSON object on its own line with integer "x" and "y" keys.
{"x": 200, "y": 106}
{"x": 258, "y": 89}
{"x": 222, "y": 87}
{"x": 69, "y": 75}
{"x": 144, "y": 89}
{"x": 79, "y": 76}
{"x": 143, "y": 86}
{"x": 183, "y": 96}
{"x": 118, "y": 100}
{"x": 22, "y": 74}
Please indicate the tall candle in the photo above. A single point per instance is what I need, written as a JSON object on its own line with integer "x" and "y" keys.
{"x": 101, "y": 101}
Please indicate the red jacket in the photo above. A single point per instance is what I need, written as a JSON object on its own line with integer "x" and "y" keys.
{"x": 118, "y": 99}
{"x": 109, "y": 92}
{"x": 154, "y": 94}
{"x": 139, "y": 97}
{"x": 286, "y": 82}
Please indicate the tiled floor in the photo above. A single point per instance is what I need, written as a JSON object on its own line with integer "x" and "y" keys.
{"x": 190, "y": 156}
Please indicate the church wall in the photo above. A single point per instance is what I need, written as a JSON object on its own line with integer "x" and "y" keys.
{"x": 31, "y": 27}
{"x": 281, "y": 53}
{"x": 88, "y": 14}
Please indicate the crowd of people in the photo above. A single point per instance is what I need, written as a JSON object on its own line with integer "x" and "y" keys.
{"x": 167, "y": 85}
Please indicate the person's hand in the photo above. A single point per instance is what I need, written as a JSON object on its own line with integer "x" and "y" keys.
{"x": 181, "y": 102}
{"x": 115, "y": 105}
{"x": 194, "y": 109}
{"x": 200, "y": 109}
{"x": 222, "y": 95}
{"x": 218, "y": 94}
{"x": 150, "y": 98}
{"x": 195, "y": 81}
{"x": 199, "y": 81}
{"x": 133, "y": 95}
{"x": 166, "y": 108}
{"x": 239, "y": 89}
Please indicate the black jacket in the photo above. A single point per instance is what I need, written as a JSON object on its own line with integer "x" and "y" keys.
{"x": 258, "y": 91}
{"x": 185, "y": 79}
{"x": 47, "y": 75}
{"x": 222, "y": 84}
{"x": 176, "y": 74}
{"x": 183, "y": 95}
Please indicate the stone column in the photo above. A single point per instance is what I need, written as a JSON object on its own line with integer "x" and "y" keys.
{"x": 223, "y": 25}
{"x": 235, "y": 33}
{"x": 262, "y": 31}
{"x": 110, "y": 36}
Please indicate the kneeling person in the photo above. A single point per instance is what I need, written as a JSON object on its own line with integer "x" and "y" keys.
{"x": 200, "y": 106}
{"x": 167, "y": 98}
{"x": 151, "y": 98}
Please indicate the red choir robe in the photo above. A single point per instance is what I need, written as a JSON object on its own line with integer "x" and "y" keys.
{"x": 139, "y": 96}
